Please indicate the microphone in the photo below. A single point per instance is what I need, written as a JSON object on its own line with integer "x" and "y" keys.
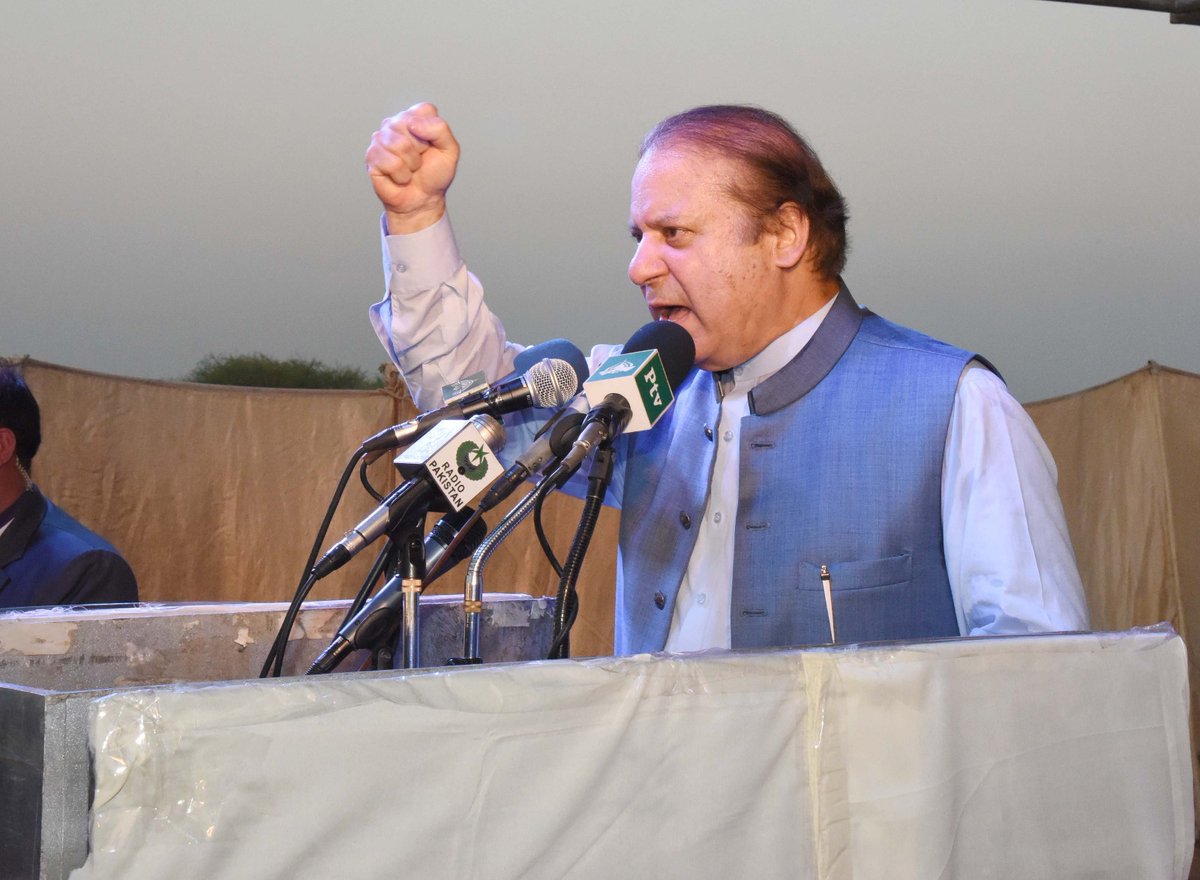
{"x": 442, "y": 535}
{"x": 562, "y": 349}
{"x": 455, "y": 459}
{"x": 630, "y": 391}
{"x": 547, "y": 381}
{"x": 374, "y": 620}
{"x": 553, "y": 441}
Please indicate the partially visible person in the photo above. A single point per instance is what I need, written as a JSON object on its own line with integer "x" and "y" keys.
{"x": 46, "y": 557}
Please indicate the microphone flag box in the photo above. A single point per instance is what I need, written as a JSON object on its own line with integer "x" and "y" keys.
{"x": 456, "y": 457}
{"x": 639, "y": 377}
{"x": 464, "y": 387}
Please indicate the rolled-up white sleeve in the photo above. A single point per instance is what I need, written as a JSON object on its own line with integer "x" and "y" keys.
{"x": 1008, "y": 552}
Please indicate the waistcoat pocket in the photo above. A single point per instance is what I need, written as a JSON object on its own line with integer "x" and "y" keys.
{"x": 859, "y": 574}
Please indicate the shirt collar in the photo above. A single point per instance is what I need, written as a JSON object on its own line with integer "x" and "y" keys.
{"x": 776, "y": 355}
{"x": 7, "y": 514}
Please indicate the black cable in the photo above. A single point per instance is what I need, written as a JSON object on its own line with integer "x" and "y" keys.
{"x": 382, "y": 561}
{"x": 560, "y": 638}
{"x": 566, "y": 431}
{"x": 366, "y": 481}
{"x": 319, "y": 541}
{"x": 541, "y": 533}
{"x": 273, "y": 666}
{"x": 274, "y": 659}
{"x": 565, "y": 609}
{"x": 563, "y": 620}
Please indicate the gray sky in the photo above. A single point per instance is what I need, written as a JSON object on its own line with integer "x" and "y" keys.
{"x": 185, "y": 178}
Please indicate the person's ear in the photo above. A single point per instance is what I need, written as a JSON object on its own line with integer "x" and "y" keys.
{"x": 791, "y": 235}
{"x": 8, "y": 446}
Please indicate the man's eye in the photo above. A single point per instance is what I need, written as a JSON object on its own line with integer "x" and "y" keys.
{"x": 671, "y": 232}
{"x": 637, "y": 235}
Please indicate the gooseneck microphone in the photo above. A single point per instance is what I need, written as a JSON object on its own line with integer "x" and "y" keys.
{"x": 555, "y": 439}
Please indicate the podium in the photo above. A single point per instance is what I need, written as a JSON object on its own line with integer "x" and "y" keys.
{"x": 1052, "y": 756}
{"x": 55, "y": 664}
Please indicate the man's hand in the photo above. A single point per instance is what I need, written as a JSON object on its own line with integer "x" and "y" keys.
{"x": 411, "y": 160}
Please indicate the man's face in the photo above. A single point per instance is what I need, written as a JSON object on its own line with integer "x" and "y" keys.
{"x": 697, "y": 261}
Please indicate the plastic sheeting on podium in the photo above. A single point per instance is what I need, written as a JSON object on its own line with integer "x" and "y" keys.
{"x": 1035, "y": 757}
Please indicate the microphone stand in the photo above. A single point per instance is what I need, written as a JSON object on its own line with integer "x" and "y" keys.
{"x": 473, "y": 587}
{"x": 566, "y": 602}
{"x": 410, "y": 569}
{"x": 405, "y": 560}
{"x": 385, "y": 562}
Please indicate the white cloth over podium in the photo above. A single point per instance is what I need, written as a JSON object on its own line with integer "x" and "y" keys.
{"x": 1034, "y": 757}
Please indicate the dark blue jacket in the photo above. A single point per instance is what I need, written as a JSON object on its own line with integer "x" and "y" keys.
{"x": 48, "y": 558}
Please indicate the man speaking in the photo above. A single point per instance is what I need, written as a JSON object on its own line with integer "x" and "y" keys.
{"x": 825, "y": 475}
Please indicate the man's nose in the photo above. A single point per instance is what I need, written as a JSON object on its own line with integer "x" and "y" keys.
{"x": 646, "y": 265}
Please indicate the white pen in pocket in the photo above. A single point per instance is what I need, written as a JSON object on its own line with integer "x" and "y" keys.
{"x": 827, "y": 584}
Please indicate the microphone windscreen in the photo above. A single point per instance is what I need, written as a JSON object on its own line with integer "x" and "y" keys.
{"x": 674, "y": 345}
{"x": 562, "y": 349}
{"x": 552, "y": 382}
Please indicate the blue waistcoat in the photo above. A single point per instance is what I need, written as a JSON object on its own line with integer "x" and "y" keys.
{"x": 840, "y": 465}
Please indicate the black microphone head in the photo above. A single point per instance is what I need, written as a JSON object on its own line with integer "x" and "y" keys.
{"x": 444, "y": 529}
{"x": 471, "y": 542}
{"x": 442, "y": 535}
{"x": 562, "y": 349}
{"x": 674, "y": 345}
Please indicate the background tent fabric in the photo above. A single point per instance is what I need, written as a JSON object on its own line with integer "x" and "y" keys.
{"x": 215, "y": 493}
{"x": 1128, "y": 455}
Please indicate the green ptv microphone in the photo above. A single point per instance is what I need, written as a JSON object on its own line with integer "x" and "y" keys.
{"x": 640, "y": 379}
{"x": 631, "y": 391}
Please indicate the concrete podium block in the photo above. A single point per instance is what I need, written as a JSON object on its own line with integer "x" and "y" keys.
{"x": 55, "y": 662}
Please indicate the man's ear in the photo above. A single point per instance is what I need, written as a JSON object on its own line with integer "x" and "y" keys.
{"x": 8, "y": 446}
{"x": 791, "y": 235}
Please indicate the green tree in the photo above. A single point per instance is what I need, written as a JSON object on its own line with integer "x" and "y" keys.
{"x": 263, "y": 371}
